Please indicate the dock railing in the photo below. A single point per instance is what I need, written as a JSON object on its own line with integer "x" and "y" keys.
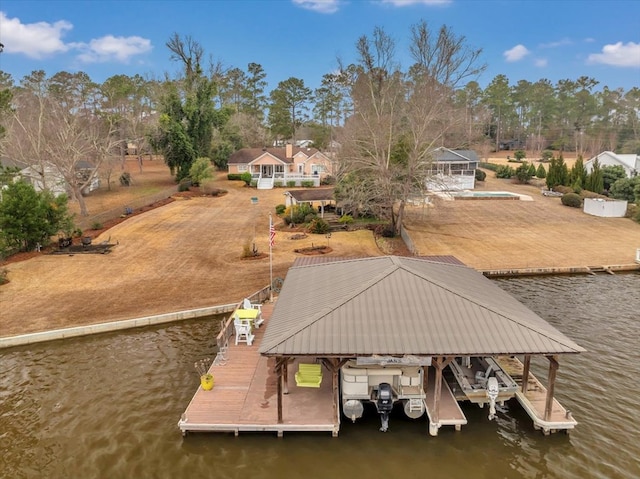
{"x": 227, "y": 328}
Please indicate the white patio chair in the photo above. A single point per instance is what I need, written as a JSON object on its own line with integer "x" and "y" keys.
{"x": 243, "y": 332}
{"x": 246, "y": 304}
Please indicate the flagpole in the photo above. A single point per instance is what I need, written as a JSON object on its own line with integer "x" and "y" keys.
{"x": 271, "y": 237}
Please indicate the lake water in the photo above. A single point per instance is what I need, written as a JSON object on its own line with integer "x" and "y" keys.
{"x": 108, "y": 406}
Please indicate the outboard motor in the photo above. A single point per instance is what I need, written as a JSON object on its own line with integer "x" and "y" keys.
{"x": 493, "y": 389}
{"x": 384, "y": 403}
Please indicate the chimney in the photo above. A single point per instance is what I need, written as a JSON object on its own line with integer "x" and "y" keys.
{"x": 288, "y": 152}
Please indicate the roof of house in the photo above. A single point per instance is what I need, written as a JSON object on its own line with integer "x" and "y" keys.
{"x": 315, "y": 194}
{"x": 629, "y": 161}
{"x": 398, "y": 306}
{"x": 445, "y": 154}
{"x": 247, "y": 155}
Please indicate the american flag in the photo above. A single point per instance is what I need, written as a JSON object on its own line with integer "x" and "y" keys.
{"x": 272, "y": 234}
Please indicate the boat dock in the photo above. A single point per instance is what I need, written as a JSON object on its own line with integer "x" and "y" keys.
{"x": 244, "y": 397}
{"x": 450, "y": 413}
{"x": 533, "y": 400}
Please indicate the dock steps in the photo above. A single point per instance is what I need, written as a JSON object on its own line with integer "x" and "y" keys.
{"x": 599, "y": 269}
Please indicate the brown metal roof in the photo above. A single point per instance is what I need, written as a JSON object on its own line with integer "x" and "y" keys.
{"x": 247, "y": 155}
{"x": 314, "y": 194}
{"x": 400, "y": 305}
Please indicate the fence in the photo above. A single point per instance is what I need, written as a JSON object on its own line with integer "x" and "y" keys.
{"x": 87, "y": 222}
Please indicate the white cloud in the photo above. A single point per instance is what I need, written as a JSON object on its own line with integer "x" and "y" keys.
{"x": 541, "y": 62}
{"x": 618, "y": 55}
{"x": 404, "y": 3}
{"x": 110, "y": 48}
{"x": 35, "y": 40}
{"x": 320, "y": 6}
{"x": 556, "y": 44}
{"x": 516, "y": 53}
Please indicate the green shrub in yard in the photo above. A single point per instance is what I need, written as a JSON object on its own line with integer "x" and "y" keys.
{"x": 278, "y": 183}
{"x": 234, "y": 176}
{"x": 480, "y": 175}
{"x": 346, "y": 219}
{"x": 541, "y": 172}
{"x": 307, "y": 183}
{"x": 571, "y": 199}
{"x": 96, "y": 225}
{"x": 504, "y": 171}
{"x": 247, "y": 178}
{"x": 253, "y": 183}
{"x": 280, "y": 209}
{"x": 184, "y": 184}
{"x": 488, "y": 166}
{"x": 319, "y": 226}
{"x": 291, "y": 183}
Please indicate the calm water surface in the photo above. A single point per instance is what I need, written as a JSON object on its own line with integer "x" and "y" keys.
{"x": 108, "y": 406}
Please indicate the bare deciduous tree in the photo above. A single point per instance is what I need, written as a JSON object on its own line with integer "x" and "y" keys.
{"x": 399, "y": 118}
{"x": 52, "y": 132}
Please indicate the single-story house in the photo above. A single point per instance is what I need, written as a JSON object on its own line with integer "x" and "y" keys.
{"x": 288, "y": 166}
{"x": 630, "y": 162}
{"x": 452, "y": 170}
{"x": 322, "y": 196}
{"x": 48, "y": 177}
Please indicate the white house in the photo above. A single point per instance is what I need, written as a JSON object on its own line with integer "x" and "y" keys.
{"x": 287, "y": 166}
{"x": 630, "y": 162}
{"x": 452, "y": 170}
{"x": 48, "y": 177}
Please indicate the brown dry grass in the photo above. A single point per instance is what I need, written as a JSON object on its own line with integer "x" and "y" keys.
{"x": 187, "y": 254}
{"x": 183, "y": 255}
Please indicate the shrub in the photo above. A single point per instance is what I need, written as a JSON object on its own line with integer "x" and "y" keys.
{"x": 278, "y": 183}
{"x": 253, "y": 183}
{"x": 520, "y": 155}
{"x": 296, "y": 214}
{"x": 504, "y": 171}
{"x": 247, "y": 178}
{"x": 571, "y": 199}
{"x": 249, "y": 250}
{"x": 234, "y": 176}
{"x": 488, "y": 166}
{"x": 319, "y": 226}
{"x": 307, "y": 183}
{"x": 546, "y": 155}
{"x": 480, "y": 175}
{"x": 625, "y": 189}
{"x": 345, "y": 219}
{"x": 291, "y": 183}
{"x": 200, "y": 170}
{"x": 328, "y": 180}
{"x": 541, "y": 172}
{"x": 523, "y": 173}
{"x": 125, "y": 179}
{"x": 96, "y": 225}
{"x": 280, "y": 209}
{"x": 184, "y": 184}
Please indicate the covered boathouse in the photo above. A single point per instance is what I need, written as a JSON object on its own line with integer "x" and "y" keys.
{"x": 389, "y": 311}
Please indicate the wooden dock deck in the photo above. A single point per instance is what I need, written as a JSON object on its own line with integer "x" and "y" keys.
{"x": 533, "y": 400}
{"x": 450, "y": 412}
{"x": 244, "y": 396}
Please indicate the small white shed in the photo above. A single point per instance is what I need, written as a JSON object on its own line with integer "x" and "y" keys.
{"x": 605, "y": 207}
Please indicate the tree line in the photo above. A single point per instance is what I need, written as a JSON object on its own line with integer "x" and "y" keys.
{"x": 386, "y": 118}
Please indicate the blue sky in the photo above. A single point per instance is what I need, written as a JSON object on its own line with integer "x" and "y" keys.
{"x": 525, "y": 40}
